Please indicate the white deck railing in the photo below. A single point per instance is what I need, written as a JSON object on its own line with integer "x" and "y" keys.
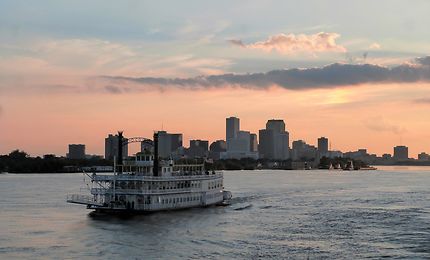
{"x": 142, "y": 192}
{"x": 126, "y": 176}
{"x": 82, "y": 199}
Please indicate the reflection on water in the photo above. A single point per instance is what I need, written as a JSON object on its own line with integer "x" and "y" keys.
{"x": 274, "y": 214}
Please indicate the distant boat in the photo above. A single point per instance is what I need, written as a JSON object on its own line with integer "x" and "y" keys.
{"x": 369, "y": 168}
{"x": 349, "y": 166}
{"x": 334, "y": 167}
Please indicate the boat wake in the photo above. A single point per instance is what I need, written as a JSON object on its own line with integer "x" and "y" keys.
{"x": 242, "y": 206}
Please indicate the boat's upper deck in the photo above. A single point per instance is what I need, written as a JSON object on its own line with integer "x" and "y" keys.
{"x": 133, "y": 177}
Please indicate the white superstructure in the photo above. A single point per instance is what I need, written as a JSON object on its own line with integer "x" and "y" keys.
{"x": 139, "y": 186}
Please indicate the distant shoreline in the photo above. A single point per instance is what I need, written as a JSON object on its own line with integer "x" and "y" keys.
{"x": 364, "y": 169}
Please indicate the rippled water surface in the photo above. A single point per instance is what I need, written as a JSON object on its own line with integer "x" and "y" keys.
{"x": 275, "y": 214}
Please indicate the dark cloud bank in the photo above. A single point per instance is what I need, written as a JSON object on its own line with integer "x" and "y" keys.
{"x": 330, "y": 76}
{"x": 422, "y": 101}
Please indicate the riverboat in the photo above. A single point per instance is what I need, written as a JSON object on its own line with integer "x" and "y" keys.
{"x": 144, "y": 183}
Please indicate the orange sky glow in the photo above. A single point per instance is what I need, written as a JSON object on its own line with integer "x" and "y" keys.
{"x": 351, "y": 117}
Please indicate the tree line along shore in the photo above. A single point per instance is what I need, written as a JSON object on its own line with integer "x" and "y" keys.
{"x": 20, "y": 162}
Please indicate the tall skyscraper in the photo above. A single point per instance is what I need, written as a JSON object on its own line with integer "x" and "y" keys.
{"x": 277, "y": 125}
{"x": 323, "y": 146}
{"x": 111, "y": 147}
{"x": 401, "y": 153}
{"x": 266, "y": 147}
{"x": 232, "y": 128}
{"x": 168, "y": 143}
{"x": 241, "y": 143}
{"x": 274, "y": 141}
{"x": 238, "y": 142}
{"x": 76, "y": 151}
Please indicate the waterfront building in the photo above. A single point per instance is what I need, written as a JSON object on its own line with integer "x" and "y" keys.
{"x": 334, "y": 154}
{"x": 401, "y": 153}
{"x": 111, "y": 147}
{"x": 76, "y": 151}
{"x": 238, "y": 142}
{"x": 386, "y": 156}
{"x": 303, "y": 152}
{"x": 362, "y": 155}
{"x": 253, "y": 143}
{"x": 266, "y": 146}
{"x": 198, "y": 148}
{"x": 232, "y": 128}
{"x": 216, "y": 148}
{"x": 423, "y": 157}
{"x": 322, "y": 146}
{"x": 274, "y": 141}
{"x": 168, "y": 143}
{"x": 175, "y": 141}
{"x": 241, "y": 143}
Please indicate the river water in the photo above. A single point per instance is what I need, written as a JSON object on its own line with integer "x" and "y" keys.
{"x": 275, "y": 214}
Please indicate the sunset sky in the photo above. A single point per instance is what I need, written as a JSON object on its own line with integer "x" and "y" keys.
{"x": 357, "y": 72}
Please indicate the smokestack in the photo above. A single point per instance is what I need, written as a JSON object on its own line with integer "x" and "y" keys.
{"x": 155, "y": 167}
{"x": 120, "y": 144}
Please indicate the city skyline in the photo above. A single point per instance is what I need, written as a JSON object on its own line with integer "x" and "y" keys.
{"x": 357, "y": 72}
{"x": 320, "y": 147}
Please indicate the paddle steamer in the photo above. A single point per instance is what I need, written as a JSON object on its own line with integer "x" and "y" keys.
{"x": 144, "y": 183}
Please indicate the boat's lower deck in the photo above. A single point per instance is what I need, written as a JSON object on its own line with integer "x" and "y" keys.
{"x": 109, "y": 210}
{"x": 162, "y": 201}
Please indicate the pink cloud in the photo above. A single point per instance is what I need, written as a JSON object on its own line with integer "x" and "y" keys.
{"x": 375, "y": 46}
{"x": 291, "y": 43}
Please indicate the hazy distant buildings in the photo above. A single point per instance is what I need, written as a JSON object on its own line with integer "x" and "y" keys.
{"x": 111, "y": 147}
{"x": 168, "y": 143}
{"x": 76, "y": 151}
{"x": 387, "y": 157}
{"x": 274, "y": 141}
{"x": 232, "y": 126}
{"x": 362, "y": 155}
{"x": 253, "y": 143}
{"x": 266, "y": 147}
{"x": 334, "y": 154}
{"x": 198, "y": 148}
{"x": 216, "y": 148}
{"x": 423, "y": 157}
{"x": 401, "y": 153}
{"x": 303, "y": 152}
{"x": 323, "y": 147}
{"x": 240, "y": 144}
